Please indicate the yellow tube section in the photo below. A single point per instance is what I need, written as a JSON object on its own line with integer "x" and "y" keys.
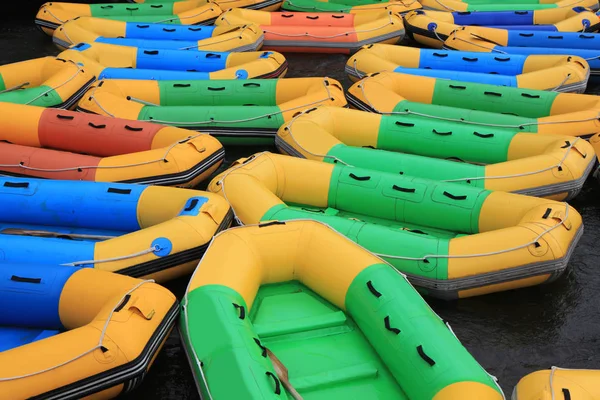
{"x": 559, "y": 383}
{"x": 458, "y": 5}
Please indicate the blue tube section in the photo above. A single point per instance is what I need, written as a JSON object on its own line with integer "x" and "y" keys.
{"x": 151, "y": 74}
{"x": 30, "y": 294}
{"x": 156, "y": 44}
{"x": 70, "y": 204}
{"x": 181, "y": 60}
{"x": 592, "y": 56}
{"x": 558, "y": 40}
{"x": 471, "y": 62}
{"x": 11, "y": 337}
{"x": 50, "y": 251}
{"x": 136, "y": 30}
{"x": 485, "y": 18}
{"x": 502, "y": 80}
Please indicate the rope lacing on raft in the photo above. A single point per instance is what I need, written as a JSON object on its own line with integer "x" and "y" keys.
{"x": 518, "y": 126}
{"x": 553, "y": 369}
{"x": 99, "y": 346}
{"x": 77, "y": 72}
{"x": 154, "y": 249}
{"x": 184, "y": 301}
{"x": 16, "y": 87}
{"x": 213, "y": 121}
{"x": 365, "y": 7}
{"x": 49, "y": 11}
{"x": 307, "y": 34}
{"x": 558, "y": 165}
{"x": 82, "y": 167}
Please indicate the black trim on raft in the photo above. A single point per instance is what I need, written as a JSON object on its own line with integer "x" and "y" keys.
{"x": 71, "y": 101}
{"x": 359, "y": 104}
{"x": 282, "y": 68}
{"x": 130, "y": 374}
{"x": 415, "y": 30}
{"x": 173, "y": 260}
{"x": 39, "y": 23}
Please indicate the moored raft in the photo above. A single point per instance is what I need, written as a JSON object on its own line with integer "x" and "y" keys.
{"x": 433, "y": 28}
{"x": 350, "y": 6}
{"x": 512, "y": 5}
{"x": 235, "y": 111}
{"x": 541, "y": 72}
{"x": 451, "y": 240}
{"x": 553, "y": 166}
{"x": 319, "y": 32}
{"x": 55, "y": 345}
{"x": 479, "y": 105}
{"x": 193, "y": 12}
{"x": 45, "y": 82}
{"x": 59, "y": 144}
{"x": 293, "y": 310}
{"x": 157, "y": 36}
{"x": 109, "y": 61}
{"x": 150, "y": 232}
{"x": 555, "y": 382}
{"x": 584, "y": 45}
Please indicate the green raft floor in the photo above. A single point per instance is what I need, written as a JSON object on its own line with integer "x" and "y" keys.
{"x": 326, "y": 354}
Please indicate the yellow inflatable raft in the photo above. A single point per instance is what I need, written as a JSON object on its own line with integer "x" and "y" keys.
{"x": 540, "y": 72}
{"x": 59, "y": 144}
{"x": 559, "y": 383}
{"x": 515, "y": 5}
{"x": 224, "y": 38}
{"x": 78, "y": 332}
{"x": 46, "y": 82}
{"x": 125, "y": 62}
{"x": 552, "y": 166}
{"x": 451, "y": 240}
{"x": 319, "y": 32}
{"x": 432, "y": 28}
{"x": 479, "y": 105}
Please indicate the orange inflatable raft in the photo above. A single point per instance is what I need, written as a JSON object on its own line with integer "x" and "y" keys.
{"x": 319, "y": 32}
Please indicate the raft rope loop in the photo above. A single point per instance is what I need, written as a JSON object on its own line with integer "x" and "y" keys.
{"x": 44, "y": 93}
{"x": 154, "y": 249}
{"x": 16, "y": 87}
{"x": 553, "y": 369}
{"x": 98, "y": 346}
{"x": 213, "y": 121}
{"x": 519, "y": 126}
{"x": 49, "y": 11}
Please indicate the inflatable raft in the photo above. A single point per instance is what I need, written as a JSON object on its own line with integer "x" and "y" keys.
{"x": 45, "y": 82}
{"x": 478, "y": 105}
{"x": 350, "y": 6}
{"x": 292, "y": 309}
{"x": 433, "y": 28}
{"x": 564, "y": 73}
{"x": 109, "y": 61}
{"x": 584, "y": 45}
{"x": 552, "y": 166}
{"x": 319, "y": 32}
{"x": 157, "y": 36}
{"x": 239, "y": 112}
{"x": 513, "y": 5}
{"x": 559, "y": 383}
{"x": 151, "y": 232}
{"x": 58, "y": 144}
{"x": 53, "y": 345}
{"x": 451, "y": 240}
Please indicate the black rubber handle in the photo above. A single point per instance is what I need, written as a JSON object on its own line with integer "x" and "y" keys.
{"x": 314, "y": 211}
{"x": 64, "y": 116}
{"x": 25, "y": 280}
{"x": 287, "y": 15}
{"x": 359, "y": 178}
{"x": 441, "y": 133}
{"x": 156, "y": 5}
{"x": 483, "y": 135}
{"x": 501, "y": 59}
{"x": 194, "y": 29}
{"x": 337, "y": 16}
{"x": 271, "y": 223}
{"x": 182, "y": 84}
{"x": 457, "y": 87}
{"x": 555, "y": 37}
{"x": 106, "y": 7}
{"x": 101, "y": 126}
{"x": 403, "y": 189}
{"x": 530, "y": 96}
{"x": 526, "y": 34}
{"x": 143, "y": 26}
{"x": 404, "y": 123}
{"x": 470, "y": 59}
{"x": 22, "y": 185}
{"x": 547, "y": 213}
{"x": 263, "y": 348}
{"x": 453, "y": 197}
{"x": 241, "y": 308}
{"x": 193, "y": 204}
{"x": 251, "y": 84}
{"x": 212, "y": 55}
{"x": 373, "y": 290}
{"x": 118, "y": 191}
{"x": 493, "y": 94}
{"x": 133, "y": 128}
{"x": 566, "y": 393}
{"x": 441, "y": 55}
{"x": 169, "y": 29}
{"x": 216, "y": 89}
{"x": 151, "y": 52}
{"x": 132, "y": 8}
{"x": 424, "y": 356}
{"x": 312, "y": 17}
{"x": 386, "y": 322}
{"x": 586, "y": 36}
{"x": 521, "y": 12}
{"x": 277, "y": 384}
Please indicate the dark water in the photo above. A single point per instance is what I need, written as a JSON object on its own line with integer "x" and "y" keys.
{"x": 511, "y": 333}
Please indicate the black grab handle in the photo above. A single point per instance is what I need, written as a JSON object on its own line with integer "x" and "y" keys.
{"x": 359, "y": 178}
{"x": 373, "y": 290}
{"x": 424, "y": 356}
{"x": 457, "y": 87}
{"x": 241, "y": 308}
{"x": 470, "y": 59}
{"x": 312, "y": 17}
{"x": 442, "y": 133}
{"x": 133, "y": 128}
{"x": 169, "y": 29}
{"x": 25, "y": 279}
{"x": 182, "y": 84}
{"x": 151, "y": 52}
{"x": 403, "y": 189}
{"x": 101, "y": 126}
{"x": 64, "y": 116}
{"x": 441, "y": 55}
{"x": 530, "y": 96}
{"x": 251, "y": 84}
{"x": 493, "y": 94}
{"x": 271, "y": 223}
{"x": 386, "y": 322}
{"x": 216, "y": 89}
{"x": 23, "y": 185}
{"x": 404, "y": 123}
{"x": 453, "y": 197}
{"x": 483, "y": 135}
{"x": 277, "y": 384}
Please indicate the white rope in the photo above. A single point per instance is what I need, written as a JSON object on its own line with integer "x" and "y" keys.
{"x": 16, "y": 87}
{"x": 153, "y": 249}
{"x": 491, "y": 253}
{"x": 98, "y": 346}
{"x": 49, "y": 11}
{"x": 562, "y": 83}
{"x": 519, "y": 126}
{"x": 82, "y": 167}
{"x": 79, "y": 69}
{"x": 356, "y": 71}
{"x": 213, "y": 121}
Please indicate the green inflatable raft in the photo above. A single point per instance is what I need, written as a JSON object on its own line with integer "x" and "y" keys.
{"x": 296, "y": 311}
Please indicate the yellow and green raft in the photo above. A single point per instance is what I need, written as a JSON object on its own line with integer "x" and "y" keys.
{"x": 299, "y": 297}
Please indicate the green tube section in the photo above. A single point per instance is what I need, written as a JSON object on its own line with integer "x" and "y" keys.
{"x": 418, "y": 348}
{"x": 131, "y": 10}
{"x": 221, "y": 92}
{"x": 42, "y": 96}
{"x": 343, "y": 6}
